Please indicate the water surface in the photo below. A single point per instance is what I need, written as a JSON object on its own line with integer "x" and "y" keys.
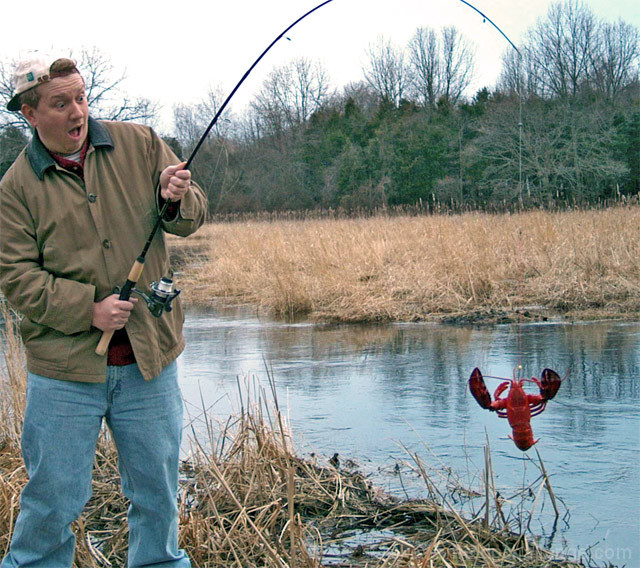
{"x": 377, "y": 393}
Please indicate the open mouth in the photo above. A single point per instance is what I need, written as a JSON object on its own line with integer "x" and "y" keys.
{"x": 75, "y": 132}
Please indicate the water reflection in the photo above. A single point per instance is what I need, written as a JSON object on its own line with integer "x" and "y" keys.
{"x": 372, "y": 393}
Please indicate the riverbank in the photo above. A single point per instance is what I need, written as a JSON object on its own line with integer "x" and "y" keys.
{"x": 247, "y": 500}
{"x": 256, "y": 504}
{"x": 472, "y": 267}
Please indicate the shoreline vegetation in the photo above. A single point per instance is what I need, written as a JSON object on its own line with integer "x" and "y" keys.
{"x": 247, "y": 500}
{"x": 457, "y": 268}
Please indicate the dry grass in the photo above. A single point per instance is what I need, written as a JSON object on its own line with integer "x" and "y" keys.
{"x": 246, "y": 500}
{"x": 446, "y": 267}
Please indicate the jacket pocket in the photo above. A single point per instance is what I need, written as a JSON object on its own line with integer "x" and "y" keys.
{"x": 46, "y": 344}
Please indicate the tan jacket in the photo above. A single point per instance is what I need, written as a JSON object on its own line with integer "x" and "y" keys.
{"x": 65, "y": 243}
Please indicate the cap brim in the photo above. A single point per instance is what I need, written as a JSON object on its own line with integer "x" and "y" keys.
{"x": 14, "y": 104}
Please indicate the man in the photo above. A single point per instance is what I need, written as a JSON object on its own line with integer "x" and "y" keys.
{"x": 76, "y": 208}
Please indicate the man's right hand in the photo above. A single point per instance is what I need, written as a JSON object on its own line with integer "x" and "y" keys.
{"x": 112, "y": 313}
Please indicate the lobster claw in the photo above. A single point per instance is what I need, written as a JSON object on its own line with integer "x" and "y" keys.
{"x": 479, "y": 389}
{"x": 550, "y": 383}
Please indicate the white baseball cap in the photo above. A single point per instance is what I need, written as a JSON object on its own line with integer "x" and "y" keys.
{"x": 30, "y": 73}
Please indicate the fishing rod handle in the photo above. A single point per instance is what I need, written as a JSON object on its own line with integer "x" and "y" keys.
{"x": 125, "y": 294}
{"x": 132, "y": 279}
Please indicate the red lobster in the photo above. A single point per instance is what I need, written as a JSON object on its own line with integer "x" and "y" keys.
{"x": 518, "y": 407}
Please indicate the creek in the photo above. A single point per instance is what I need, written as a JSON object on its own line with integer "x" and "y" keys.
{"x": 381, "y": 394}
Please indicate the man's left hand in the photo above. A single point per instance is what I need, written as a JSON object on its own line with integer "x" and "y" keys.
{"x": 175, "y": 182}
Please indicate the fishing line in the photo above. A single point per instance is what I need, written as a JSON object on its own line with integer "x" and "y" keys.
{"x": 518, "y": 85}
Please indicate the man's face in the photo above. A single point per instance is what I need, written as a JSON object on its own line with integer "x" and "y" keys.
{"x": 61, "y": 117}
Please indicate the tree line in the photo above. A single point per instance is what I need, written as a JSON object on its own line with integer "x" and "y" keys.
{"x": 561, "y": 127}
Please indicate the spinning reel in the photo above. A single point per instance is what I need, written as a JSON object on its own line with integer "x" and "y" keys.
{"x": 162, "y": 294}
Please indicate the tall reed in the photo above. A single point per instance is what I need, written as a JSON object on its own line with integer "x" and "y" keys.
{"x": 580, "y": 263}
{"x": 12, "y": 388}
{"x": 12, "y": 401}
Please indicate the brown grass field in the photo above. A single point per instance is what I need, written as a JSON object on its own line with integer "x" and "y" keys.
{"x": 467, "y": 267}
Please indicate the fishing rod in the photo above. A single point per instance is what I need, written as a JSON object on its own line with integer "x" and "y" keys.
{"x": 162, "y": 293}
{"x": 488, "y": 19}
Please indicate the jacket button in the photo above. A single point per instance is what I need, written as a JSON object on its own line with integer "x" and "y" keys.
{"x": 106, "y": 243}
{"x": 92, "y": 197}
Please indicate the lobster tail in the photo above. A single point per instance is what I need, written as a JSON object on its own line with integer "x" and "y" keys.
{"x": 479, "y": 389}
{"x": 523, "y": 439}
{"x": 550, "y": 382}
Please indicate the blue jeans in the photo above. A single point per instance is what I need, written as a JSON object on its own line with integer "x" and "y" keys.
{"x": 61, "y": 427}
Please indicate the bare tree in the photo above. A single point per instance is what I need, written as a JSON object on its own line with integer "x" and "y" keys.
{"x": 311, "y": 88}
{"x": 457, "y": 64}
{"x": 615, "y": 65}
{"x": 561, "y": 48}
{"x": 9, "y": 119}
{"x": 511, "y": 75}
{"x": 105, "y": 94}
{"x": 424, "y": 62}
{"x": 519, "y": 73}
{"x": 386, "y": 71}
{"x": 191, "y": 120}
{"x": 290, "y": 95}
{"x": 440, "y": 65}
{"x": 187, "y": 125}
{"x": 565, "y": 151}
{"x": 361, "y": 94}
{"x": 571, "y": 50}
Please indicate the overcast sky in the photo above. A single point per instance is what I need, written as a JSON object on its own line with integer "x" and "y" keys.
{"x": 174, "y": 51}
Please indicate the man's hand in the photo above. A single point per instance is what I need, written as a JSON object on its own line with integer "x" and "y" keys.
{"x": 112, "y": 313}
{"x": 174, "y": 182}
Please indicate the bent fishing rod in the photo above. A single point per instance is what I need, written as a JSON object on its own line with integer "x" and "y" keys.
{"x": 162, "y": 293}
{"x": 486, "y": 18}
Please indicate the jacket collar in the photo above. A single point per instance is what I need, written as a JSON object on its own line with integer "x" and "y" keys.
{"x": 40, "y": 158}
